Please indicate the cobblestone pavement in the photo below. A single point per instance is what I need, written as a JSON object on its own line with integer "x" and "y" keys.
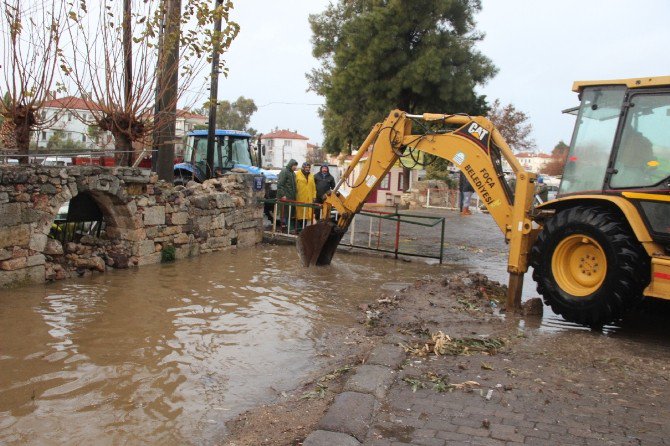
{"x": 551, "y": 383}
{"x": 567, "y": 388}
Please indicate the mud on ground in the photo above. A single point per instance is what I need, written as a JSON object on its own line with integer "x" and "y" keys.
{"x": 518, "y": 383}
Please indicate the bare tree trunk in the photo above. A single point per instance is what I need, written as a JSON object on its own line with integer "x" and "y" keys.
{"x": 213, "y": 100}
{"x": 127, "y": 53}
{"x": 123, "y": 149}
{"x": 165, "y": 168}
{"x": 22, "y": 138}
{"x": 24, "y": 120}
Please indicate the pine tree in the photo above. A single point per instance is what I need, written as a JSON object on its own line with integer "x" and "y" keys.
{"x": 377, "y": 55}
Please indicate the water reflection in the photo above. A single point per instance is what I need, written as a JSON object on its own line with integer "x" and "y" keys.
{"x": 165, "y": 354}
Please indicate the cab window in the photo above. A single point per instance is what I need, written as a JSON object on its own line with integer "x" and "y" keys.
{"x": 592, "y": 140}
{"x": 643, "y": 157}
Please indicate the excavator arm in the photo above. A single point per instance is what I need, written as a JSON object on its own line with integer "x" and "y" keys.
{"x": 472, "y": 144}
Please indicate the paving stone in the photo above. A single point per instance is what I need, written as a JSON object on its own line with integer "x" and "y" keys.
{"x": 373, "y": 379}
{"x": 506, "y": 433}
{"x": 387, "y": 355}
{"x": 351, "y": 413}
{"x": 428, "y": 441}
{"x": 327, "y": 438}
{"x": 472, "y": 431}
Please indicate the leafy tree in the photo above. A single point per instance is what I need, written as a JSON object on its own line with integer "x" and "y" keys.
{"x": 559, "y": 156}
{"x": 94, "y": 133}
{"x": 235, "y": 115}
{"x": 59, "y": 142}
{"x": 513, "y": 125}
{"x": 56, "y": 140}
{"x": 377, "y": 55}
{"x": 316, "y": 156}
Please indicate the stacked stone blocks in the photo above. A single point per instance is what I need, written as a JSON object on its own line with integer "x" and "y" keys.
{"x": 143, "y": 216}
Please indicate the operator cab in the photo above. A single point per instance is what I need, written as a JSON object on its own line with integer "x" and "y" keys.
{"x": 232, "y": 149}
{"x": 621, "y": 146}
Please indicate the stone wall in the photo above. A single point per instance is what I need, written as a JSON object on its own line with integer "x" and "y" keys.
{"x": 441, "y": 195}
{"x": 144, "y": 219}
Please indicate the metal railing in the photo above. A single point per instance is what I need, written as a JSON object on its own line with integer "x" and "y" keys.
{"x": 442, "y": 198}
{"x": 283, "y": 215}
{"x": 106, "y": 158}
{"x": 381, "y": 223}
{"x": 367, "y": 229}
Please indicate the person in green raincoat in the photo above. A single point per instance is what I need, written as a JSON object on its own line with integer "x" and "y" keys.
{"x": 286, "y": 188}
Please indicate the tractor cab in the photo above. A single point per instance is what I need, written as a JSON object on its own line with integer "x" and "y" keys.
{"x": 232, "y": 149}
{"x": 621, "y": 147}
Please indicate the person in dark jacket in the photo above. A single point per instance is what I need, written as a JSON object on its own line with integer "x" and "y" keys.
{"x": 324, "y": 183}
{"x": 286, "y": 187}
{"x": 466, "y": 190}
{"x": 542, "y": 190}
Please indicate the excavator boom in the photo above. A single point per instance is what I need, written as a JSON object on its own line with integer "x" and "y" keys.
{"x": 472, "y": 144}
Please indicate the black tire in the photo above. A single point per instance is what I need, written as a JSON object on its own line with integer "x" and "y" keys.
{"x": 627, "y": 265}
{"x": 182, "y": 178}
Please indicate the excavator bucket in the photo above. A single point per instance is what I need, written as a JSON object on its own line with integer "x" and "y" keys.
{"x": 317, "y": 243}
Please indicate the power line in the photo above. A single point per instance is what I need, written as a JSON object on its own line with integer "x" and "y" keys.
{"x": 289, "y": 103}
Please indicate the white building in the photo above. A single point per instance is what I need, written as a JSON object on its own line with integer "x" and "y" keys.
{"x": 71, "y": 117}
{"x": 186, "y": 121}
{"x": 283, "y": 145}
{"x": 533, "y": 162}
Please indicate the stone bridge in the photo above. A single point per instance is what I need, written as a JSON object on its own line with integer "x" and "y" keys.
{"x": 145, "y": 220}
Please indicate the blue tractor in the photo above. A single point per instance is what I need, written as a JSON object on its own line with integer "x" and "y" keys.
{"x": 232, "y": 149}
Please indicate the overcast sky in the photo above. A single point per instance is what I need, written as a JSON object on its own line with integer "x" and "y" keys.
{"x": 540, "y": 48}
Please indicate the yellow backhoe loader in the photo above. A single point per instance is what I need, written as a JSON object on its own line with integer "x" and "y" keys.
{"x": 598, "y": 248}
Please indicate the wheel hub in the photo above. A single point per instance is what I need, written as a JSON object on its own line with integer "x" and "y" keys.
{"x": 579, "y": 265}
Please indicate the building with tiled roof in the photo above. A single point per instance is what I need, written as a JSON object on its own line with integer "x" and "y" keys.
{"x": 284, "y": 145}
{"x": 70, "y": 118}
{"x": 186, "y": 121}
{"x": 533, "y": 161}
{"x": 71, "y": 103}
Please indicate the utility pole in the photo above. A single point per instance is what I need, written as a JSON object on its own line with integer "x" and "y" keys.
{"x": 157, "y": 134}
{"x": 169, "y": 79}
{"x": 127, "y": 67}
{"x": 213, "y": 96}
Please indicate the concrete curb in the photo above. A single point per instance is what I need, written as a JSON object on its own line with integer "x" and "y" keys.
{"x": 348, "y": 420}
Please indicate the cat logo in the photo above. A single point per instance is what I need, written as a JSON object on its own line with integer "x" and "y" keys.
{"x": 477, "y": 131}
{"x": 477, "y": 134}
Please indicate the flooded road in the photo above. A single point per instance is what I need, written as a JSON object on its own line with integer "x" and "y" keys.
{"x": 167, "y": 353}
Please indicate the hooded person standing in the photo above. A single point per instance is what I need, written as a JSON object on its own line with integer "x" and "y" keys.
{"x": 286, "y": 187}
{"x": 306, "y": 192}
{"x": 324, "y": 182}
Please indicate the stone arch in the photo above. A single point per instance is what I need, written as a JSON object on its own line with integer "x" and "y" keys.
{"x": 122, "y": 227}
{"x": 109, "y": 194}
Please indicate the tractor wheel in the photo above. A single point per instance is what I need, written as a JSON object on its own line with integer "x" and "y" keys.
{"x": 589, "y": 266}
{"x": 182, "y": 178}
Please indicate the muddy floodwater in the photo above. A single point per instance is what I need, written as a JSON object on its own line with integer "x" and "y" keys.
{"x": 166, "y": 354}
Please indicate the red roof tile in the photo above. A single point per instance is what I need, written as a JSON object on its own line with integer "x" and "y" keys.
{"x": 284, "y": 134}
{"x": 532, "y": 155}
{"x": 71, "y": 103}
{"x": 188, "y": 115}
